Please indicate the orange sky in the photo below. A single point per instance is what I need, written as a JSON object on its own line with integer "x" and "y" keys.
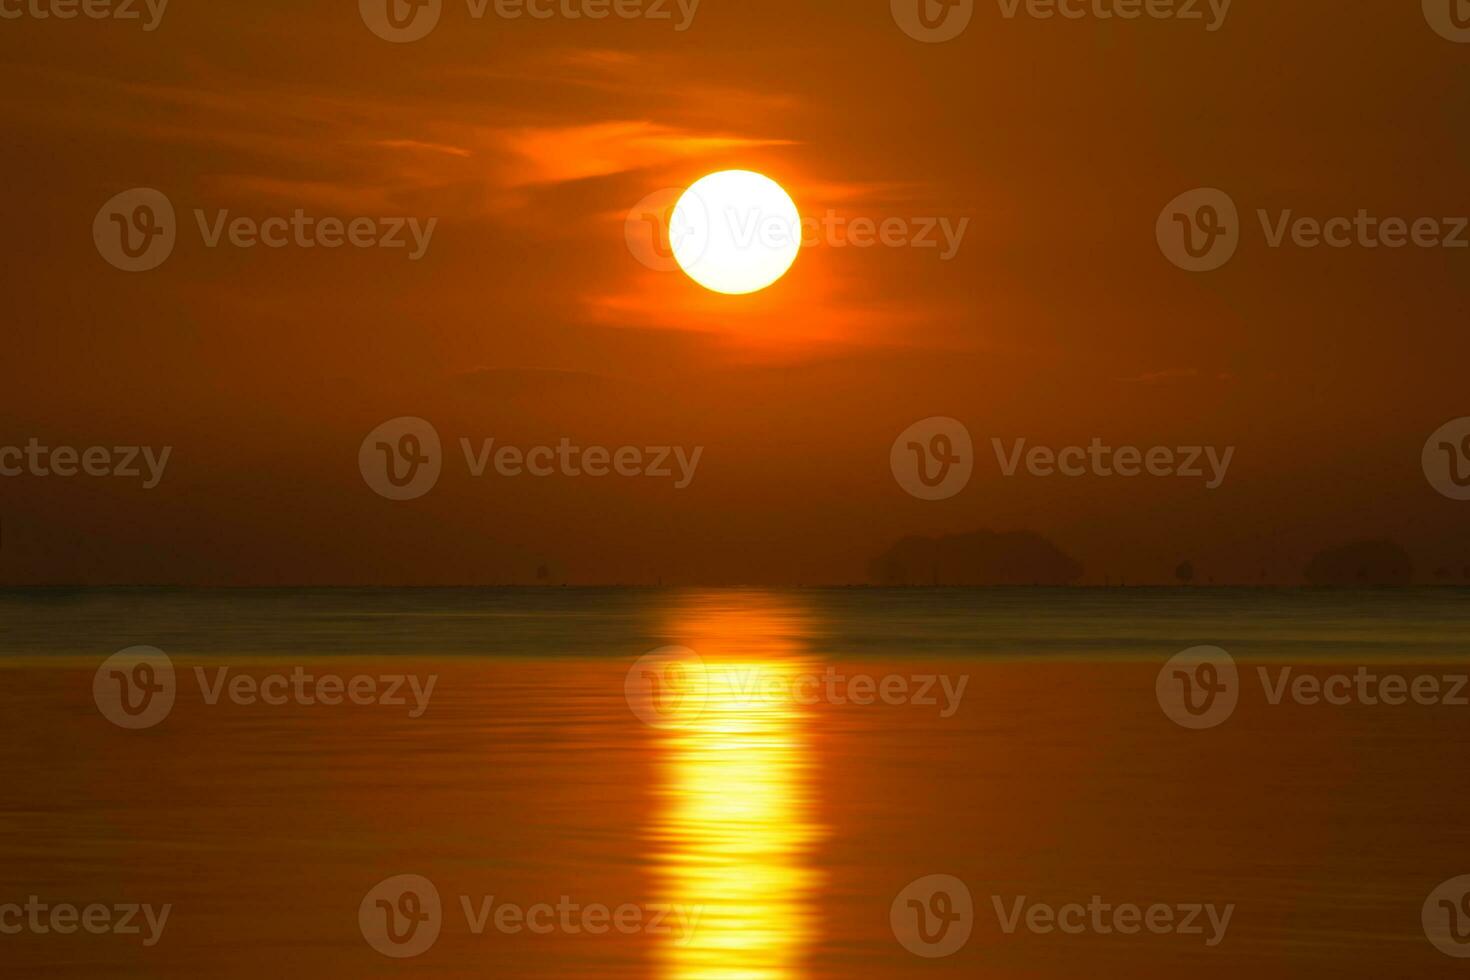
{"x": 527, "y": 319}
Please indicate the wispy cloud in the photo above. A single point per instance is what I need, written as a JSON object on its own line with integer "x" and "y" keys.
{"x": 556, "y": 154}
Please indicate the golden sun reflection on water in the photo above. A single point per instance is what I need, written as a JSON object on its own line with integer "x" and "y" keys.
{"x": 736, "y": 827}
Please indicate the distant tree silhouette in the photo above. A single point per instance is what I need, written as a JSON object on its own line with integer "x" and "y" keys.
{"x": 975, "y": 558}
{"x": 1364, "y": 563}
{"x": 1185, "y": 572}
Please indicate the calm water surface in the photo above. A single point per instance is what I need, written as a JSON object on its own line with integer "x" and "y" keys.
{"x": 779, "y": 819}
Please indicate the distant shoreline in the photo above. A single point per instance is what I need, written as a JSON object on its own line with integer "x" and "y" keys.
{"x": 585, "y": 587}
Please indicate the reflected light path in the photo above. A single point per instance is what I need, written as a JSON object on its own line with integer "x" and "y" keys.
{"x": 736, "y": 825}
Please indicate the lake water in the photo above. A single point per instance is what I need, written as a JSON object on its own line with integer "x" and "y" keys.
{"x": 771, "y": 798}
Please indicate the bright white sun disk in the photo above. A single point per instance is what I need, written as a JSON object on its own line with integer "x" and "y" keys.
{"x": 735, "y": 231}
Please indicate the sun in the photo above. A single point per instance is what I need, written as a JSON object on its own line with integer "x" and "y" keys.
{"x": 735, "y": 231}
